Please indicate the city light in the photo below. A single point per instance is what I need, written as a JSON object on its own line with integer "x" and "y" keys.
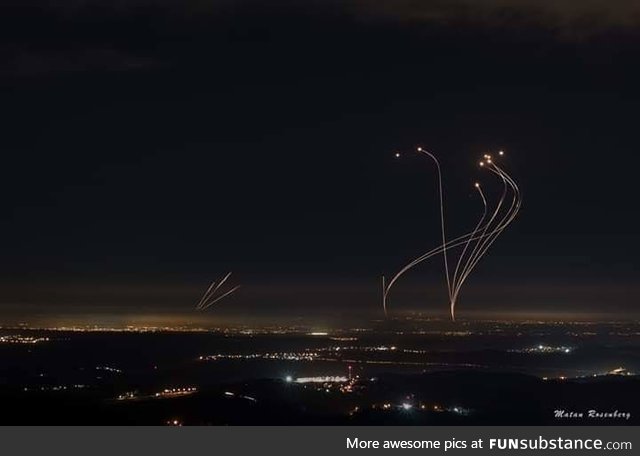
{"x": 326, "y": 379}
{"x": 27, "y": 340}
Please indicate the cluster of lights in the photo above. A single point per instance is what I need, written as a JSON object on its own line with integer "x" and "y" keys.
{"x": 280, "y": 356}
{"x": 126, "y": 329}
{"x": 544, "y": 349}
{"x": 17, "y": 339}
{"x": 298, "y": 330}
{"x": 129, "y": 395}
{"x": 328, "y": 383}
{"x": 618, "y": 371}
{"x": 489, "y": 159}
{"x": 442, "y": 333}
{"x": 109, "y": 369}
{"x": 325, "y": 379}
{"x": 173, "y": 392}
{"x": 348, "y": 387}
{"x": 376, "y": 348}
{"x": 407, "y": 406}
{"x": 164, "y": 394}
{"x": 55, "y": 388}
{"x": 334, "y": 354}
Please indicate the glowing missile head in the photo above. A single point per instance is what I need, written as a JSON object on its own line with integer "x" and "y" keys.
{"x": 501, "y": 152}
{"x": 420, "y": 149}
{"x": 477, "y": 184}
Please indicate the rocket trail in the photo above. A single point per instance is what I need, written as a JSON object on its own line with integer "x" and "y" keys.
{"x": 220, "y": 297}
{"x": 454, "y": 295}
{"x": 442, "y": 230}
{"x": 205, "y": 296}
{"x": 451, "y": 244}
{"x": 224, "y": 279}
{"x": 486, "y": 242}
{"x": 481, "y": 237}
{"x": 209, "y": 298}
{"x": 478, "y": 248}
{"x": 509, "y": 216}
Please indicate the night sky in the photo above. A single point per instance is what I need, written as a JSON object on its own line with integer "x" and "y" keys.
{"x": 150, "y": 147}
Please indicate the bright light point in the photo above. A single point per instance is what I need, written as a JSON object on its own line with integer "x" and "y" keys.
{"x": 419, "y": 149}
{"x": 501, "y": 152}
{"x": 477, "y": 185}
{"x": 488, "y": 161}
{"x": 407, "y": 406}
{"x": 288, "y": 378}
{"x": 397, "y": 154}
{"x": 481, "y": 163}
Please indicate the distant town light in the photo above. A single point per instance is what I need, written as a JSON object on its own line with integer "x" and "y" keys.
{"x": 322, "y": 379}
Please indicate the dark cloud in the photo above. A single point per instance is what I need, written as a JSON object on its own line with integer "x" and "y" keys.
{"x": 86, "y": 35}
{"x": 554, "y": 12}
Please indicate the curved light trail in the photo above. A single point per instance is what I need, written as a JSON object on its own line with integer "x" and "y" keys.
{"x": 481, "y": 237}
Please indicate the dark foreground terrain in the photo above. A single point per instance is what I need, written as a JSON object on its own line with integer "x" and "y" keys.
{"x": 496, "y": 374}
{"x": 444, "y": 398}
